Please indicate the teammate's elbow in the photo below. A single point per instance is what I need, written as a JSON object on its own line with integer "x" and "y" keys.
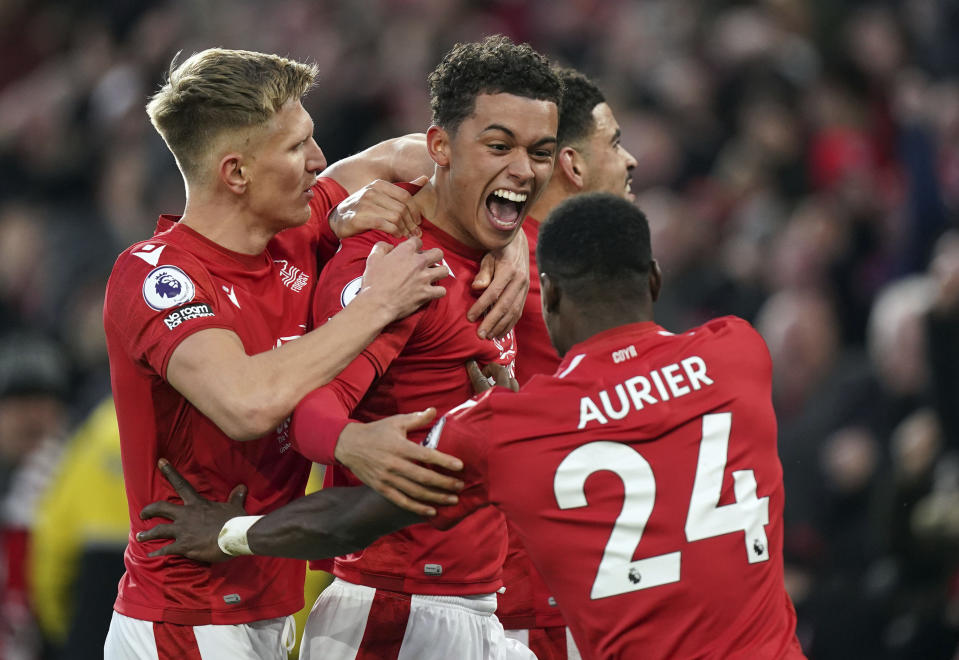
{"x": 253, "y": 419}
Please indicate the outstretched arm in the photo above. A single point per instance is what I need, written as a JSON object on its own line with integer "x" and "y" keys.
{"x": 247, "y": 396}
{"x": 328, "y": 523}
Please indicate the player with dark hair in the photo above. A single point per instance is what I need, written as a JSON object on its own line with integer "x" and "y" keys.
{"x": 591, "y": 158}
{"x": 643, "y": 477}
{"x": 492, "y": 160}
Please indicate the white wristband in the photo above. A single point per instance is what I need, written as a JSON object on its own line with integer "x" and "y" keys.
{"x": 232, "y": 538}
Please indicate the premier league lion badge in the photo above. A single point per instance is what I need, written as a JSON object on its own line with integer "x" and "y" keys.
{"x": 166, "y": 287}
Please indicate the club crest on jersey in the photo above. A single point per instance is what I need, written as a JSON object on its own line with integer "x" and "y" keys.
{"x": 166, "y": 287}
{"x": 291, "y": 276}
{"x": 351, "y": 291}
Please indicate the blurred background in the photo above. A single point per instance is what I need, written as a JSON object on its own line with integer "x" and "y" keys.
{"x": 798, "y": 161}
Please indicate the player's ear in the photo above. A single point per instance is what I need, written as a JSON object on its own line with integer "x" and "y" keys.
{"x": 571, "y": 163}
{"x": 549, "y": 292}
{"x": 655, "y": 280}
{"x": 438, "y": 145}
{"x": 233, "y": 173}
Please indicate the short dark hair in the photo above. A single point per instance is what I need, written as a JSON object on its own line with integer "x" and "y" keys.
{"x": 595, "y": 242}
{"x": 493, "y": 66}
{"x": 580, "y": 96}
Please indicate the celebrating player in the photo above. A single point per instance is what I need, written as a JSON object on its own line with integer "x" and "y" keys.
{"x": 643, "y": 477}
{"x": 199, "y": 322}
{"x": 493, "y": 141}
{"x": 590, "y": 158}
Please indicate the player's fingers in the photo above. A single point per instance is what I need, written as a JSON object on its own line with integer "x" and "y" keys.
{"x": 416, "y": 420}
{"x": 506, "y": 311}
{"x": 410, "y": 219}
{"x": 486, "y": 303}
{"x": 394, "y": 216}
{"x": 158, "y": 532}
{"x": 431, "y": 256}
{"x": 169, "y": 549}
{"x": 438, "y": 272}
{"x": 160, "y": 509}
{"x": 426, "y": 480}
{"x": 182, "y": 487}
{"x": 380, "y": 249}
{"x": 238, "y": 496}
{"x": 415, "y": 490}
{"x": 398, "y": 498}
{"x": 485, "y": 274}
{"x": 499, "y": 375}
{"x": 494, "y": 315}
{"x": 478, "y": 379}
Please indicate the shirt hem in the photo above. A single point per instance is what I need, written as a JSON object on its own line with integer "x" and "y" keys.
{"x": 190, "y": 617}
{"x": 406, "y": 585}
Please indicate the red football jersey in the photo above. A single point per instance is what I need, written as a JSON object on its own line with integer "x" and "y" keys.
{"x": 644, "y": 481}
{"x": 419, "y": 362}
{"x": 538, "y": 356}
{"x": 160, "y": 292}
{"x": 527, "y": 602}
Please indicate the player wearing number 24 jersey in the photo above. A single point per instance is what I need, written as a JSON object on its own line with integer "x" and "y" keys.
{"x": 642, "y": 477}
{"x": 651, "y": 459}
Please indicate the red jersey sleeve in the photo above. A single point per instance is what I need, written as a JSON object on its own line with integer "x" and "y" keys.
{"x": 464, "y": 432}
{"x": 320, "y": 418}
{"x": 158, "y": 295}
{"x": 327, "y": 193}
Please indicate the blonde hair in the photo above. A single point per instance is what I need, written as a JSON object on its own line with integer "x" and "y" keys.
{"x": 219, "y": 90}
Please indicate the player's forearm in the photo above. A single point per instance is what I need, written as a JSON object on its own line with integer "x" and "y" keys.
{"x": 328, "y": 523}
{"x": 285, "y": 375}
{"x": 249, "y": 396}
{"x": 397, "y": 159}
{"x": 317, "y": 423}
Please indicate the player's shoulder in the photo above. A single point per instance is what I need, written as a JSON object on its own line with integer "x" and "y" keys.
{"x": 733, "y": 340}
{"x": 727, "y": 329}
{"x": 365, "y": 240}
{"x": 156, "y": 265}
{"x": 156, "y": 251}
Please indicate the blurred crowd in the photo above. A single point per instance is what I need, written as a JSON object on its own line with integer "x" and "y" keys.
{"x": 798, "y": 161}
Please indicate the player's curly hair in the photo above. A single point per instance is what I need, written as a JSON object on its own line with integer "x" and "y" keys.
{"x": 218, "y": 90}
{"x": 595, "y": 242}
{"x": 493, "y": 66}
{"x": 580, "y": 96}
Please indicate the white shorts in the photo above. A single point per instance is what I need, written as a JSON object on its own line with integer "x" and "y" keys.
{"x": 135, "y": 639}
{"x": 353, "y": 622}
{"x": 548, "y": 643}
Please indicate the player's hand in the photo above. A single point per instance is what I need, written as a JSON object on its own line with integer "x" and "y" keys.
{"x": 490, "y": 376}
{"x": 196, "y": 523}
{"x": 504, "y": 274}
{"x": 378, "y": 205}
{"x": 400, "y": 279}
{"x": 382, "y": 457}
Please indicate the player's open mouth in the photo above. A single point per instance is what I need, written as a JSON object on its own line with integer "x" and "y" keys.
{"x": 506, "y": 208}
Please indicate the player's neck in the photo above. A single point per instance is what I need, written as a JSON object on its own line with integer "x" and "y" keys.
{"x": 226, "y": 225}
{"x": 589, "y": 321}
{"x": 556, "y": 192}
{"x": 437, "y": 207}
